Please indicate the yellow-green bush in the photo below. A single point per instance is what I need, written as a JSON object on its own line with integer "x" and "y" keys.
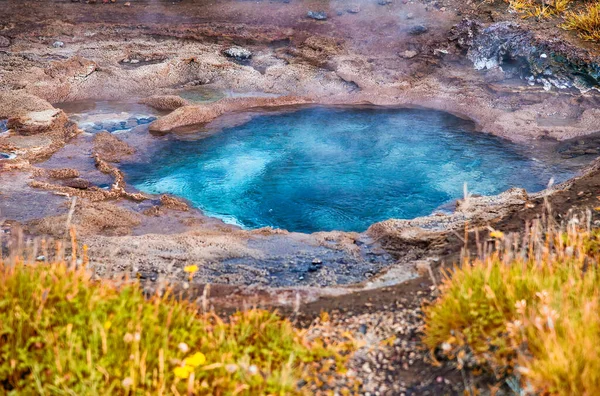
{"x": 586, "y": 22}
{"x": 582, "y": 18}
{"x": 539, "y": 8}
{"x": 62, "y": 333}
{"x": 560, "y": 338}
{"x": 530, "y": 309}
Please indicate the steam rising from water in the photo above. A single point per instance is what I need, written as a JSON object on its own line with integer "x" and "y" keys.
{"x": 324, "y": 169}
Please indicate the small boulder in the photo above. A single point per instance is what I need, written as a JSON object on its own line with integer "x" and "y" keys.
{"x": 4, "y": 42}
{"x": 58, "y": 44}
{"x": 315, "y": 265}
{"x": 238, "y": 53}
{"x": 409, "y": 54}
{"x": 36, "y": 122}
{"x": 78, "y": 183}
{"x": 64, "y": 173}
{"x": 111, "y": 148}
{"x": 317, "y": 15}
{"x": 417, "y": 30}
{"x": 165, "y": 102}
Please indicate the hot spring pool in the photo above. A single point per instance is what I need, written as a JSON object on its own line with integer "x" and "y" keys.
{"x": 319, "y": 169}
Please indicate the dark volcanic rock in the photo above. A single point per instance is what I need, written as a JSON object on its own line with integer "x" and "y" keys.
{"x": 418, "y": 30}
{"x": 78, "y": 183}
{"x": 318, "y": 15}
{"x": 519, "y": 53}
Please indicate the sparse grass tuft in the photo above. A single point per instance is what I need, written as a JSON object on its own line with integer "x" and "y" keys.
{"x": 62, "y": 333}
{"x": 529, "y": 310}
{"x": 539, "y": 8}
{"x": 586, "y": 22}
{"x": 585, "y": 19}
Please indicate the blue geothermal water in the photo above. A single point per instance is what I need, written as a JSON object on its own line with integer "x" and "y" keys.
{"x": 318, "y": 169}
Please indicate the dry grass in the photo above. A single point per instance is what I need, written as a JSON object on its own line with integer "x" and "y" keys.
{"x": 529, "y": 311}
{"x": 584, "y": 19}
{"x": 586, "y": 22}
{"x": 539, "y": 8}
{"x": 63, "y": 333}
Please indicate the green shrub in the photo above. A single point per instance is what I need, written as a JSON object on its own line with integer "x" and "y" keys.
{"x": 62, "y": 333}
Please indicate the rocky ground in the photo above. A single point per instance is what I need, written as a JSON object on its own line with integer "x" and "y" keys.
{"x": 535, "y": 85}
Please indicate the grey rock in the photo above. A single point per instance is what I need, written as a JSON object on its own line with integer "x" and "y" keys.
{"x": 238, "y": 53}
{"x": 316, "y": 265}
{"x": 58, "y": 44}
{"x": 317, "y": 15}
{"x": 409, "y": 54}
{"x": 417, "y": 30}
{"x": 152, "y": 276}
{"x": 4, "y": 41}
{"x": 521, "y": 54}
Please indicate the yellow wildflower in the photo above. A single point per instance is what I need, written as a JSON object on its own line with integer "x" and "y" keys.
{"x": 190, "y": 269}
{"x": 497, "y": 234}
{"x": 197, "y": 359}
{"x": 181, "y": 372}
{"x": 107, "y": 325}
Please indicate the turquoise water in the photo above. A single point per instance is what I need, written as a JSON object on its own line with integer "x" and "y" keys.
{"x": 320, "y": 169}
